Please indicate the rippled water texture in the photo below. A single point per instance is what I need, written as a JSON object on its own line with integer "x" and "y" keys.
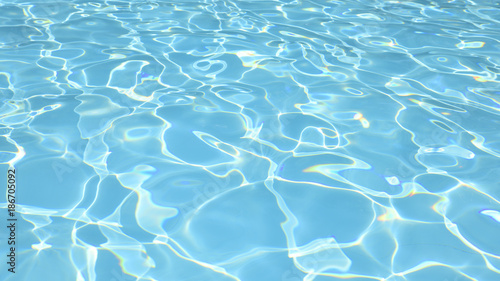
{"x": 253, "y": 140}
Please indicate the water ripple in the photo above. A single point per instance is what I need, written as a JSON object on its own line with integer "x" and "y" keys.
{"x": 253, "y": 140}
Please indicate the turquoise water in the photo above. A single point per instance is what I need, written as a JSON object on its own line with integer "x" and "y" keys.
{"x": 252, "y": 140}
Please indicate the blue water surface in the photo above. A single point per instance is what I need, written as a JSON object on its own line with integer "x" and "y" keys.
{"x": 252, "y": 140}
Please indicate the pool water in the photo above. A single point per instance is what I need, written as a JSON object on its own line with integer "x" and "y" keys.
{"x": 252, "y": 140}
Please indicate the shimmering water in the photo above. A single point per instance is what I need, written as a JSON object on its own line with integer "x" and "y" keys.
{"x": 252, "y": 140}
